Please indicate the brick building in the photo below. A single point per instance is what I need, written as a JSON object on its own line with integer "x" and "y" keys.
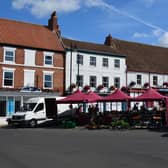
{"x": 31, "y": 62}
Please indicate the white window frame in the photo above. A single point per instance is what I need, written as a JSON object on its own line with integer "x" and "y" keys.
{"x": 92, "y": 61}
{"x": 105, "y": 63}
{"x": 94, "y": 82}
{"x": 117, "y": 63}
{"x": 50, "y": 54}
{"x": 105, "y": 83}
{"x": 48, "y": 73}
{"x": 10, "y": 49}
{"x": 79, "y": 59}
{"x": 79, "y": 80}
{"x": 139, "y": 79}
{"x": 12, "y": 70}
{"x": 119, "y": 82}
{"x": 155, "y": 80}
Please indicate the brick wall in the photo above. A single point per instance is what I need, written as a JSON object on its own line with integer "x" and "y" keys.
{"x": 58, "y": 75}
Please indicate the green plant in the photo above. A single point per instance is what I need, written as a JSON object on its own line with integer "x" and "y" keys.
{"x": 120, "y": 124}
{"x": 68, "y": 124}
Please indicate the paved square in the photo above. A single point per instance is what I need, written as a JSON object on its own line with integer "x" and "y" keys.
{"x": 82, "y": 148}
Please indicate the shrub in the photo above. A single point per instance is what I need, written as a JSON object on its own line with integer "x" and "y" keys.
{"x": 120, "y": 124}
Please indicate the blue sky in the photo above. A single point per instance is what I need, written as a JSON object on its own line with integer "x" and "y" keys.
{"x": 143, "y": 21}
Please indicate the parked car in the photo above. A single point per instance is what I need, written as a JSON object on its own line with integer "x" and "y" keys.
{"x": 30, "y": 89}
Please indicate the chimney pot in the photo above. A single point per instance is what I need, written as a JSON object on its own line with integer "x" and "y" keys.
{"x": 53, "y": 23}
{"x": 109, "y": 40}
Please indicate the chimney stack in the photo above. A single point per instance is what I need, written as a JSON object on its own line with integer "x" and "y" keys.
{"x": 109, "y": 40}
{"x": 53, "y": 23}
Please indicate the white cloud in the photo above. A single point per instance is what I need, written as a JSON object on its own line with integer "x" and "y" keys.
{"x": 140, "y": 35}
{"x": 42, "y": 8}
{"x": 157, "y": 32}
{"x": 96, "y": 3}
{"x": 163, "y": 40}
{"x": 19, "y": 4}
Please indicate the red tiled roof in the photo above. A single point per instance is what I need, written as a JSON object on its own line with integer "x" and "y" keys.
{"x": 92, "y": 47}
{"x": 142, "y": 57}
{"x": 28, "y": 35}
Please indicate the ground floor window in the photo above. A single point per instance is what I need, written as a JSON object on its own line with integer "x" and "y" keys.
{"x": 105, "y": 81}
{"x": 117, "y": 82}
{"x": 9, "y": 105}
{"x": 155, "y": 80}
{"x": 79, "y": 80}
{"x": 93, "y": 81}
{"x": 139, "y": 79}
{"x": 8, "y": 78}
{"x": 48, "y": 80}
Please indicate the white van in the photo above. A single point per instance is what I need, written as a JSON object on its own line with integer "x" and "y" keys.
{"x": 37, "y": 109}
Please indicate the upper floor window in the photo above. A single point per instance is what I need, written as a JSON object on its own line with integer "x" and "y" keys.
{"x": 155, "y": 80}
{"x": 117, "y": 82}
{"x": 8, "y": 77}
{"x": 117, "y": 63}
{"x": 139, "y": 79}
{"x": 79, "y": 80}
{"x": 105, "y": 62}
{"x": 105, "y": 81}
{"x": 48, "y": 58}
{"x": 93, "y": 81}
{"x": 93, "y": 61}
{"x": 9, "y": 55}
{"x": 48, "y": 80}
{"x": 79, "y": 59}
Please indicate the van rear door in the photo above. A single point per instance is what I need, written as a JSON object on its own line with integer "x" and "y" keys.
{"x": 51, "y": 107}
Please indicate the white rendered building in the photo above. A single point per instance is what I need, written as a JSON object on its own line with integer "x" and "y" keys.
{"x": 94, "y": 65}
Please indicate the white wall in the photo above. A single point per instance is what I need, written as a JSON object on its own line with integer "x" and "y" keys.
{"x": 99, "y": 71}
{"x": 146, "y": 78}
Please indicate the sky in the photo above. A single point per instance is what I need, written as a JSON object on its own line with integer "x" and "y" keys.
{"x": 143, "y": 21}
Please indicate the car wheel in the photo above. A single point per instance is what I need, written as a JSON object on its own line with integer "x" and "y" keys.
{"x": 33, "y": 123}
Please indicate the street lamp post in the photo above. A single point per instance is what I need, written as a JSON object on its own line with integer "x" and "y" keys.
{"x": 71, "y": 69}
{"x": 78, "y": 70}
{"x": 72, "y": 47}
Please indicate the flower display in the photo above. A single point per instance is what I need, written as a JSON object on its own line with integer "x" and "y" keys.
{"x": 112, "y": 87}
{"x": 132, "y": 84}
{"x": 86, "y": 88}
{"x": 165, "y": 84}
{"x": 146, "y": 85}
{"x": 72, "y": 86}
{"x": 100, "y": 87}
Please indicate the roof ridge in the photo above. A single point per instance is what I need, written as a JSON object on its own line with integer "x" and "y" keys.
{"x": 139, "y": 43}
{"x": 23, "y": 22}
{"x": 83, "y": 41}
